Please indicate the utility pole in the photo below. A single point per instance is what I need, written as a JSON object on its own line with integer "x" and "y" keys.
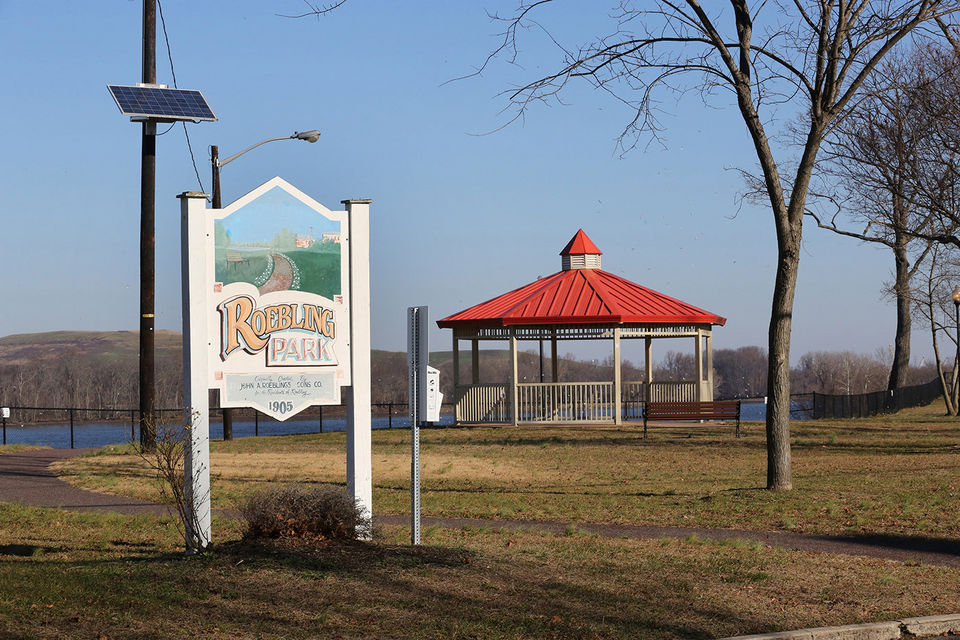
{"x": 148, "y": 186}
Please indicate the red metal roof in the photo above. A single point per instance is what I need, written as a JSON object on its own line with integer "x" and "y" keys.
{"x": 580, "y": 243}
{"x": 581, "y": 296}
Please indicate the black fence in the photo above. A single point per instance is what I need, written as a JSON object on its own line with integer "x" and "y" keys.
{"x": 864, "y": 405}
{"x": 84, "y": 427}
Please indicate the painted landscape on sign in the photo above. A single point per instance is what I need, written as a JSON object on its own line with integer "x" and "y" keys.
{"x": 278, "y": 243}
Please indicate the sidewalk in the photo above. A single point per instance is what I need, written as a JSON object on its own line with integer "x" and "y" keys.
{"x": 26, "y": 478}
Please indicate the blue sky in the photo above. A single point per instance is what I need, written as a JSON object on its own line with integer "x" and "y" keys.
{"x": 457, "y": 217}
{"x": 259, "y": 220}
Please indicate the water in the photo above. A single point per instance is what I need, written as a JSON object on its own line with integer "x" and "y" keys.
{"x": 98, "y": 434}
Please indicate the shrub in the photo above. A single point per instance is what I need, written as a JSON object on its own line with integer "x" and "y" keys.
{"x": 324, "y": 513}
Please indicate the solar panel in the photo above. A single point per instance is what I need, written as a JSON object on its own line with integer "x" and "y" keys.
{"x": 161, "y": 103}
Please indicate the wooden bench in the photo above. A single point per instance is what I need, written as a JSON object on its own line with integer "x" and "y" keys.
{"x": 692, "y": 411}
{"x": 235, "y": 258}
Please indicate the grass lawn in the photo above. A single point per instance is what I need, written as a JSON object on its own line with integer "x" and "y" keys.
{"x": 67, "y": 575}
{"x": 893, "y": 475}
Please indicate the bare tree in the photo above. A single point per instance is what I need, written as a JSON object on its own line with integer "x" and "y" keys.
{"x": 931, "y": 298}
{"x": 813, "y": 56}
{"x": 873, "y": 166}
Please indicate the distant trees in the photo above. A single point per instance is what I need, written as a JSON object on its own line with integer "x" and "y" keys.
{"x": 76, "y": 381}
{"x": 740, "y": 373}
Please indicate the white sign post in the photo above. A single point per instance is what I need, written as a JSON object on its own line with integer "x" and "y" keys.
{"x": 276, "y": 315}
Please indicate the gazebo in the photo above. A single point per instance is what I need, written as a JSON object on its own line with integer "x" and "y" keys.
{"x": 580, "y": 302}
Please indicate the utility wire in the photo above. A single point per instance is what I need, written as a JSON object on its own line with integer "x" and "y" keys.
{"x": 174, "y": 74}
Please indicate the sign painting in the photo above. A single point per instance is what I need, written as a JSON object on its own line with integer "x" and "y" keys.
{"x": 278, "y": 316}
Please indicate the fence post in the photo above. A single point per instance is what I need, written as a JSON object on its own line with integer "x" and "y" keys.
{"x": 389, "y": 416}
{"x": 4, "y": 430}
{"x": 256, "y": 422}
{"x": 321, "y": 418}
{"x": 71, "y": 427}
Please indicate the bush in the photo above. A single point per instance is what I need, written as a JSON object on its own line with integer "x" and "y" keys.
{"x": 325, "y": 513}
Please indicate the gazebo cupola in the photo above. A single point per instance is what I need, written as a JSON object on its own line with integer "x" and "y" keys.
{"x": 580, "y": 253}
{"x": 579, "y": 302}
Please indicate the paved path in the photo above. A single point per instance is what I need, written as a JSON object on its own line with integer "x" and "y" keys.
{"x": 282, "y": 276}
{"x": 26, "y": 478}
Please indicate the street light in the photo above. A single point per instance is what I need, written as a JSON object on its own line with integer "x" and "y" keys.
{"x": 215, "y": 163}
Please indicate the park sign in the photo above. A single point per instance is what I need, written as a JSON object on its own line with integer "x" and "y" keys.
{"x": 276, "y": 315}
{"x": 278, "y": 309}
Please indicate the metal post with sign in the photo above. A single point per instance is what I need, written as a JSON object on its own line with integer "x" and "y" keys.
{"x": 4, "y": 414}
{"x": 418, "y": 355}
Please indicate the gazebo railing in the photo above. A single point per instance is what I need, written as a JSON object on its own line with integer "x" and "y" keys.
{"x": 683, "y": 391}
{"x": 565, "y": 402}
{"x": 483, "y": 403}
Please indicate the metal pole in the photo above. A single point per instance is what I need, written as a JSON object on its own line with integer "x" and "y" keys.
{"x": 956, "y": 362}
{"x": 256, "y": 422}
{"x": 71, "y": 427}
{"x": 148, "y": 179}
{"x": 227, "y": 414}
{"x": 321, "y": 418}
{"x": 4, "y": 430}
{"x": 390, "y": 415}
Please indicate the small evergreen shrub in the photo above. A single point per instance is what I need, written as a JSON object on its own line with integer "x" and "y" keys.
{"x": 323, "y": 513}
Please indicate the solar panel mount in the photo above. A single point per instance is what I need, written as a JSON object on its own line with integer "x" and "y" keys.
{"x": 159, "y": 103}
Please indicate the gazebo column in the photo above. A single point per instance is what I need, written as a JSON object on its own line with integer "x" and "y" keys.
{"x": 475, "y": 361}
{"x": 554, "y": 366}
{"x": 617, "y": 381}
{"x": 456, "y": 376}
{"x": 514, "y": 396}
{"x": 699, "y": 359}
{"x": 709, "y": 383}
{"x": 648, "y": 364}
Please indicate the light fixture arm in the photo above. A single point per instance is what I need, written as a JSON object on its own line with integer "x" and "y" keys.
{"x": 309, "y": 136}
{"x": 237, "y": 155}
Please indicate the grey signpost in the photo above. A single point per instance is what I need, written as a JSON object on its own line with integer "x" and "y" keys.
{"x": 418, "y": 352}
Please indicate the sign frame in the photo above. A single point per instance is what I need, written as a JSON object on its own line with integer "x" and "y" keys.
{"x": 198, "y": 341}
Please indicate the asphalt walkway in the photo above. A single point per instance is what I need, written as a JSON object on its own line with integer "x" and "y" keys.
{"x": 26, "y": 478}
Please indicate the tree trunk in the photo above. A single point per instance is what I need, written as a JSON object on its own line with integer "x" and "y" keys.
{"x": 901, "y": 342}
{"x": 779, "y": 474}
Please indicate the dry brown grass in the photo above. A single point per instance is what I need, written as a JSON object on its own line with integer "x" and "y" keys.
{"x": 894, "y": 475}
{"x": 68, "y": 575}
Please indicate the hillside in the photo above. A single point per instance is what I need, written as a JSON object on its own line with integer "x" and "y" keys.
{"x": 96, "y": 347}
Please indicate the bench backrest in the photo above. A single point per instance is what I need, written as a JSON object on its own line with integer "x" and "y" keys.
{"x": 716, "y": 410}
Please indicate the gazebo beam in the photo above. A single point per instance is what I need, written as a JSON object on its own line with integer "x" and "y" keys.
{"x": 617, "y": 380}
{"x": 698, "y": 356}
{"x": 514, "y": 404}
{"x": 475, "y": 361}
{"x": 648, "y": 365}
{"x": 456, "y": 376}
{"x": 554, "y": 361}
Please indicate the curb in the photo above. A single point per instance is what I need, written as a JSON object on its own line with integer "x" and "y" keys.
{"x": 923, "y": 627}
